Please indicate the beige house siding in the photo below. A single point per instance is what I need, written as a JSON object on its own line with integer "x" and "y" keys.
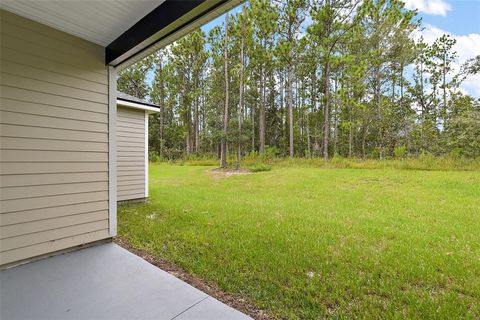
{"x": 130, "y": 154}
{"x": 53, "y": 140}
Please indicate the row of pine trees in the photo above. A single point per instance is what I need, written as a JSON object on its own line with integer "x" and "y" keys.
{"x": 309, "y": 78}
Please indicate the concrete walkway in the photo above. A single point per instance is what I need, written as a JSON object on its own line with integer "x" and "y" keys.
{"x": 102, "y": 282}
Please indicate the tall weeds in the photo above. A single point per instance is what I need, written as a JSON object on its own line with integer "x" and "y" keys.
{"x": 422, "y": 162}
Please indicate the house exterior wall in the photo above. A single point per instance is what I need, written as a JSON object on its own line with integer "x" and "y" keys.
{"x": 131, "y": 153}
{"x": 54, "y": 191}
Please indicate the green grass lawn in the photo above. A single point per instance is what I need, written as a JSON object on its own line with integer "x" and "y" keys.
{"x": 308, "y": 243}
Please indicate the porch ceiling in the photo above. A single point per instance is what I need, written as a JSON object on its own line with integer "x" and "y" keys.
{"x": 99, "y": 22}
{"x": 129, "y": 30}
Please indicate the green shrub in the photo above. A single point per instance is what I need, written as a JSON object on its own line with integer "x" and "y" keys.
{"x": 153, "y": 157}
{"x": 259, "y": 167}
{"x": 252, "y": 156}
{"x": 271, "y": 153}
{"x": 339, "y": 162}
{"x": 456, "y": 153}
{"x": 374, "y": 154}
{"x": 400, "y": 152}
{"x": 427, "y": 160}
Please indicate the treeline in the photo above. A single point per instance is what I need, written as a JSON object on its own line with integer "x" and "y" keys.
{"x": 309, "y": 79}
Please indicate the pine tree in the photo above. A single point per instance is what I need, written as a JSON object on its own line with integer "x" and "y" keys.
{"x": 223, "y": 159}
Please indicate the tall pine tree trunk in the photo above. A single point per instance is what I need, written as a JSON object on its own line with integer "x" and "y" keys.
{"x": 261, "y": 129}
{"x": 309, "y": 142}
{"x": 196, "y": 119}
{"x": 253, "y": 126}
{"x": 316, "y": 143}
{"x": 240, "y": 98}
{"x": 350, "y": 136}
{"x": 444, "y": 80}
{"x": 335, "y": 120}
{"x": 377, "y": 98}
{"x": 326, "y": 108}
{"x": 290, "y": 109}
{"x": 223, "y": 161}
{"x": 161, "y": 116}
{"x": 188, "y": 116}
{"x": 282, "y": 110}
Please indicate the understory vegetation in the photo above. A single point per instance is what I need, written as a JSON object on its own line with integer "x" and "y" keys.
{"x": 304, "y": 242}
{"x": 256, "y": 161}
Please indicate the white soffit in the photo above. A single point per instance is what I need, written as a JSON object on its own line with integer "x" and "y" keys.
{"x": 134, "y": 105}
{"x": 98, "y": 21}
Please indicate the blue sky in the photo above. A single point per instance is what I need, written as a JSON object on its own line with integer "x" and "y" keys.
{"x": 220, "y": 19}
{"x": 460, "y": 19}
{"x": 463, "y": 16}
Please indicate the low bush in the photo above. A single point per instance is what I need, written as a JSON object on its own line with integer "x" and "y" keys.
{"x": 400, "y": 152}
{"x": 259, "y": 167}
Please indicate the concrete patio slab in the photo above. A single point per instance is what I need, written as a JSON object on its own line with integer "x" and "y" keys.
{"x": 209, "y": 309}
{"x": 102, "y": 282}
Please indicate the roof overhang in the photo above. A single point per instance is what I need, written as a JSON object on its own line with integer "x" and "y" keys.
{"x": 168, "y": 22}
{"x": 139, "y": 106}
{"x": 97, "y": 21}
{"x": 128, "y": 30}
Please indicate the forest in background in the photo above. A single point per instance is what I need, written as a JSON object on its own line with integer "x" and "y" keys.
{"x": 309, "y": 78}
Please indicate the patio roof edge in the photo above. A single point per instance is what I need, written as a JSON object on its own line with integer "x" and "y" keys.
{"x": 168, "y": 22}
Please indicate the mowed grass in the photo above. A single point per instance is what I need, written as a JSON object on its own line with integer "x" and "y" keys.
{"x": 308, "y": 243}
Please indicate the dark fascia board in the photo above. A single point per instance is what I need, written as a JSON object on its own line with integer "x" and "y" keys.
{"x": 167, "y": 18}
{"x": 139, "y": 102}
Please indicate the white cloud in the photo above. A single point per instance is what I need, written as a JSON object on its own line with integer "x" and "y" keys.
{"x": 472, "y": 86}
{"x": 433, "y": 7}
{"x": 467, "y": 47}
{"x": 430, "y": 33}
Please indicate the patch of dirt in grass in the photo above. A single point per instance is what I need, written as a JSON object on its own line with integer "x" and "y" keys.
{"x": 232, "y": 300}
{"x": 219, "y": 172}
